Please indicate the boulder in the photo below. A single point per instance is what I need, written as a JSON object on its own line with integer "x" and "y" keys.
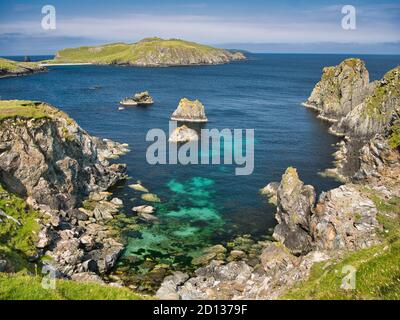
{"x": 189, "y": 111}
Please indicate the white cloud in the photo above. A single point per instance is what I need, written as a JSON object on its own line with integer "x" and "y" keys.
{"x": 308, "y": 26}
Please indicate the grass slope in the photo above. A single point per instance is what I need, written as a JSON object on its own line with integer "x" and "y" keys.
{"x": 9, "y": 67}
{"x": 23, "y": 287}
{"x": 378, "y": 267}
{"x": 29, "y": 110}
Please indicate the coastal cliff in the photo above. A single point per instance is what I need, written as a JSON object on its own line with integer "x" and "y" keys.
{"x": 9, "y": 68}
{"x": 61, "y": 174}
{"x": 149, "y": 52}
{"x": 356, "y": 225}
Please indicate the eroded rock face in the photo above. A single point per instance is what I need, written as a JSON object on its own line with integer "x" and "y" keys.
{"x": 189, "y": 111}
{"x": 341, "y": 89}
{"x": 54, "y": 161}
{"x": 295, "y": 201}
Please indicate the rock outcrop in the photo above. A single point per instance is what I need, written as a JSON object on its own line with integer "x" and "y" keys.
{"x": 341, "y": 89}
{"x": 53, "y": 160}
{"x": 63, "y": 172}
{"x": 183, "y": 134}
{"x": 189, "y": 111}
{"x": 139, "y": 99}
{"x": 294, "y": 202}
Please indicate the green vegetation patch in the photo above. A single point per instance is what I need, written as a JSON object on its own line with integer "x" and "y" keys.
{"x": 388, "y": 88}
{"x": 394, "y": 138}
{"x": 17, "y": 240}
{"x": 29, "y": 110}
{"x": 9, "y": 66}
{"x": 22, "y": 287}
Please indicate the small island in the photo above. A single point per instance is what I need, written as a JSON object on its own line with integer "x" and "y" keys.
{"x": 10, "y": 68}
{"x": 149, "y": 52}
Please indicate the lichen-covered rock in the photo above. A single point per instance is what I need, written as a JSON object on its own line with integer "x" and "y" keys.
{"x": 341, "y": 89}
{"x": 189, "y": 111}
{"x": 183, "y": 134}
{"x": 344, "y": 218}
{"x": 295, "y": 201}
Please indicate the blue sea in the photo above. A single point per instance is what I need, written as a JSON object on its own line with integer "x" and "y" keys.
{"x": 201, "y": 205}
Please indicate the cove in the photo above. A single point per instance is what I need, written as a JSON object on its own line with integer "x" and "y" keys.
{"x": 201, "y": 205}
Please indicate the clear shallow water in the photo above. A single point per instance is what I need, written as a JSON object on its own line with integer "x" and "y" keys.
{"x": 201, "y": 204}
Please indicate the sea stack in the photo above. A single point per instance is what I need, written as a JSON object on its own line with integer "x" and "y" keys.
{"x": 189, "y": 111}
{"x": 183, "y": 134}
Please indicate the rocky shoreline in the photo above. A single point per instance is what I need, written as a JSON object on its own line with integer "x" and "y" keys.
{"x": 63, "y": 173}
{"x": 340, "y": 221}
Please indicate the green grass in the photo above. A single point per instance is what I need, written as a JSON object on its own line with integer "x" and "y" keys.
{"x": 19, "y": 108}
{"x": 394, "y": 138}
{"x": 17, "y": 242}
{"x": 377, "y": 267}
{"x": 23, "y": 287}
{"x": 388, "y": 89}
{"x": 29, "y": 110}
{"x": 9, "y": 66}
{"x": 165, "y": 51}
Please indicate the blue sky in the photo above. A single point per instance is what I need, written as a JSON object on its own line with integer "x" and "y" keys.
{"x": 262, "y": 26}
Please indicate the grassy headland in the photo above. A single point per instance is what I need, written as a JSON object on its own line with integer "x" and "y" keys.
{"x": 148, "y": 52}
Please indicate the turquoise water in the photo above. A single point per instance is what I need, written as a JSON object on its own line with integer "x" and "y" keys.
{"x": 201, "y": 205}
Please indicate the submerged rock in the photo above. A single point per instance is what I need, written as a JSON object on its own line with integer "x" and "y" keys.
{"x": 183, "y": 134}
{"x": 150, "y": 197}
{"x": 189, "y": 111}
{"x": 138, "y": 187}
{"x": 144, "y": 209}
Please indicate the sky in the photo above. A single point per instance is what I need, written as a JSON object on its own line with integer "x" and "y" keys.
{"x": 256, "y": 25}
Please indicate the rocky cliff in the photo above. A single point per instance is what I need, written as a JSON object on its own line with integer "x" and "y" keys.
{"x": 9, "y": 68}
{"x": 149, "y": 52}
{"x": 360, "y": 215}
{"x": 341, "y": 89}
{"x": 47, "y": 159}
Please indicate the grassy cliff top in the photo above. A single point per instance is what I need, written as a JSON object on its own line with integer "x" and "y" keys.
{"x": 149, "y": 51}
{"x": 14, "y": 67}
{"x": 28, "y": 110}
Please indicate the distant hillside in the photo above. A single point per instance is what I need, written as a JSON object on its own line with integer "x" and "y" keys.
{"x": 149, "y": 52}
{"x": 14, "y": 68}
